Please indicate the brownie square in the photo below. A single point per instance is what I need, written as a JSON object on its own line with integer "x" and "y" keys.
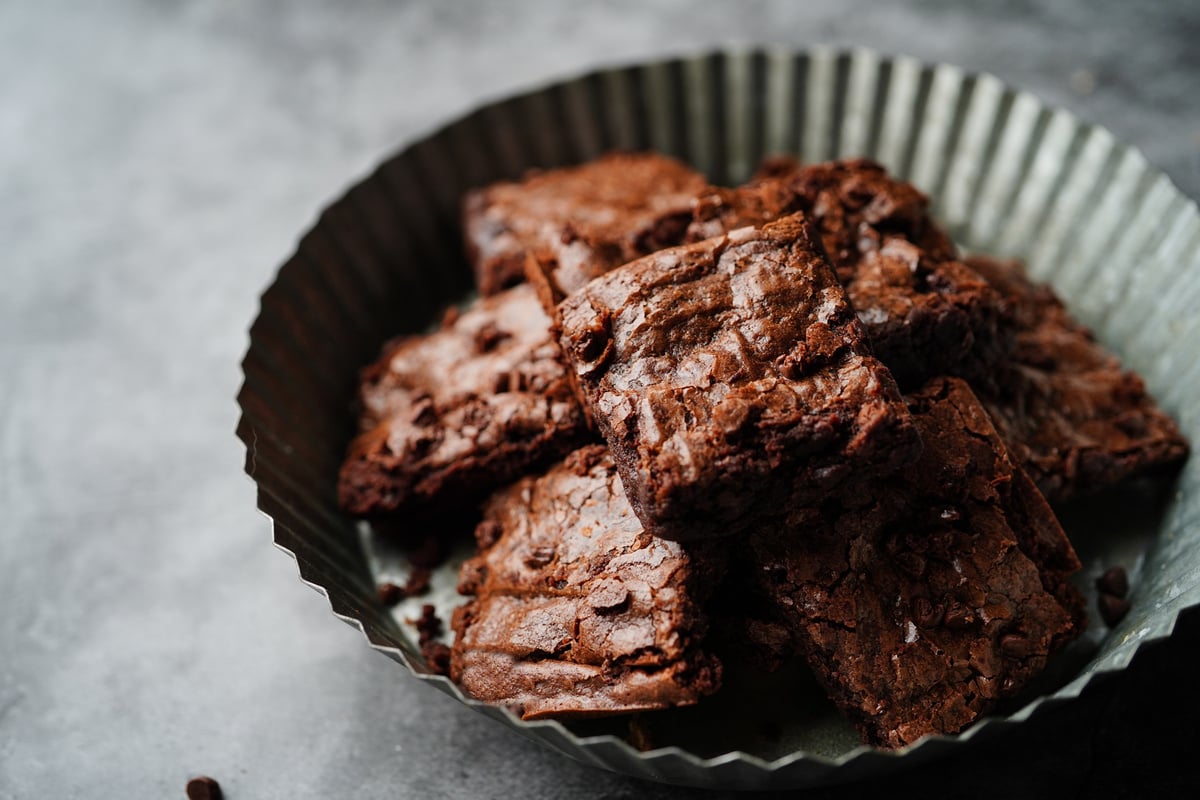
{"x": 925, "y": 312}
{"x": 922, "y": 599}
{"x": 463, "y": 410}
{"x": 1072, "y": 417}
{"x": 565, "y": 226}
{"x": 729, "y": 375}
{"x": 577, "y": 610}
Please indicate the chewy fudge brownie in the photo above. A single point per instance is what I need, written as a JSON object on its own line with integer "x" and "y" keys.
{"x": 730, "y": 375}
{"x": 925, "y": 312}
{"x": 921, "y": 599}
{"x": 1072, "y": 417}
{"x": 566, "y": 226}
{"x": 578, "y": 610}
{"x": 462, "y": 410}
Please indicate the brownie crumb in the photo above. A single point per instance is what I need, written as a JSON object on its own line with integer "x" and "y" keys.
{"x": 1112, "y": 609}
{"x": 418, "y": 581}
{"x": 1114, "y": 581}
{"x": 437, "y": 657}
{"x": 428, "y": 625}
{"x": 390, "y": 594}
{"x": 203, "y": 788}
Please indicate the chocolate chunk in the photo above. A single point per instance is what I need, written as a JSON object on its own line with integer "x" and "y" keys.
{"x": 1112, "y": 609}
{"x": 706, "y": 429}
{"x": 203, "y": 788}
{"x": 610, "y": 622}
{"x": 1114, "y": 581}
{"x": 436, "y": 431}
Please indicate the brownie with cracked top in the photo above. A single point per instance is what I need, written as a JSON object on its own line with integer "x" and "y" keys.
{"x": 925, "y": 311}
{"x": 577, "y": 610}
{"x": 922, "y": 599}
{"x": 1072, "y": 417}
{"x": 463, "y": 410}
{"x": 731, "y": 375}
{"x": 565, "y": 226}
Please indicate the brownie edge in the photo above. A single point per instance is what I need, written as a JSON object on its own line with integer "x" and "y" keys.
{"x": 577, "y": 610}
{"x": 730, "y": 376}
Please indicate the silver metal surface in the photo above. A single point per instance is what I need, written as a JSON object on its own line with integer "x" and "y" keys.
{"x": 371, "y": 268}
{"x": 157, "y": 162}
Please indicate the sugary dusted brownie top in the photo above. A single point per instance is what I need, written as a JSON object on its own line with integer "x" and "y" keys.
{"x": 921, "y": 599}
{"x": 577, "y": 609}
{"x": 729, "y": 374}
{"x": 925, "y": 312}
{"x": 1071, "y": 415}
{"x": 462, "y": 410}
{"x": 569, "y": 225}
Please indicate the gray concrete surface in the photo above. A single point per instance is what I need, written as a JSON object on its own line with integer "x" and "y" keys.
{"x": 158, "y": 160}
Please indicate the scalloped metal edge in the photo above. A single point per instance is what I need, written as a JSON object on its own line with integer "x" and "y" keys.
{"x": 557, "y": 736}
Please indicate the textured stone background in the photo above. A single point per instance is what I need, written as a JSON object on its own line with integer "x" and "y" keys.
{"x": 158, "y": 160}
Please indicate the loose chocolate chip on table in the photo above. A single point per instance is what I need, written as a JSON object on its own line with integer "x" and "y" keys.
{"x": 1112, "y": 609}
{"x": 1114, "y": 581}
{"x": 203, "y": 788}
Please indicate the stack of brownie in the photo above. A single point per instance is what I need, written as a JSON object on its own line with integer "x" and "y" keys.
{"x": 674, "y": 402}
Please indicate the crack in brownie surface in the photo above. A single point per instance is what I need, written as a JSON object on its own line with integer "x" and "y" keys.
{"x": 922, "y": 599}
{"x": 566, "y": 226}
{"x": 731, "y": 374}
{"x": 925, "y": 312}
{"x": 1073, "y": 418}
{"x": 462, "y": 410}
{"x": 578, "y": 610}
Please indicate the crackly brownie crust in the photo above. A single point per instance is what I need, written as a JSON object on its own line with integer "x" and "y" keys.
{"x": 729, "y": 375}
{"x": 925, "y": 312}
{"x": 463, "y": 410}
{"x": 922, "y": 599}
{"x": 577, "y": 610}
{"x": 565, "y": 226}
{"x": 1072, "y": 417}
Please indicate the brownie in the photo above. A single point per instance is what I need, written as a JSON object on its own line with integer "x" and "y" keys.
{"x": 463, "y": 410}
{"x": 729, "y": 375}
{"x": 925, "y": 312}
{"x": 577, "y": 610}
{"x": 922, "y": 599}
{"x": 568, "y": 225}
{"x": 1072, "y": 417}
